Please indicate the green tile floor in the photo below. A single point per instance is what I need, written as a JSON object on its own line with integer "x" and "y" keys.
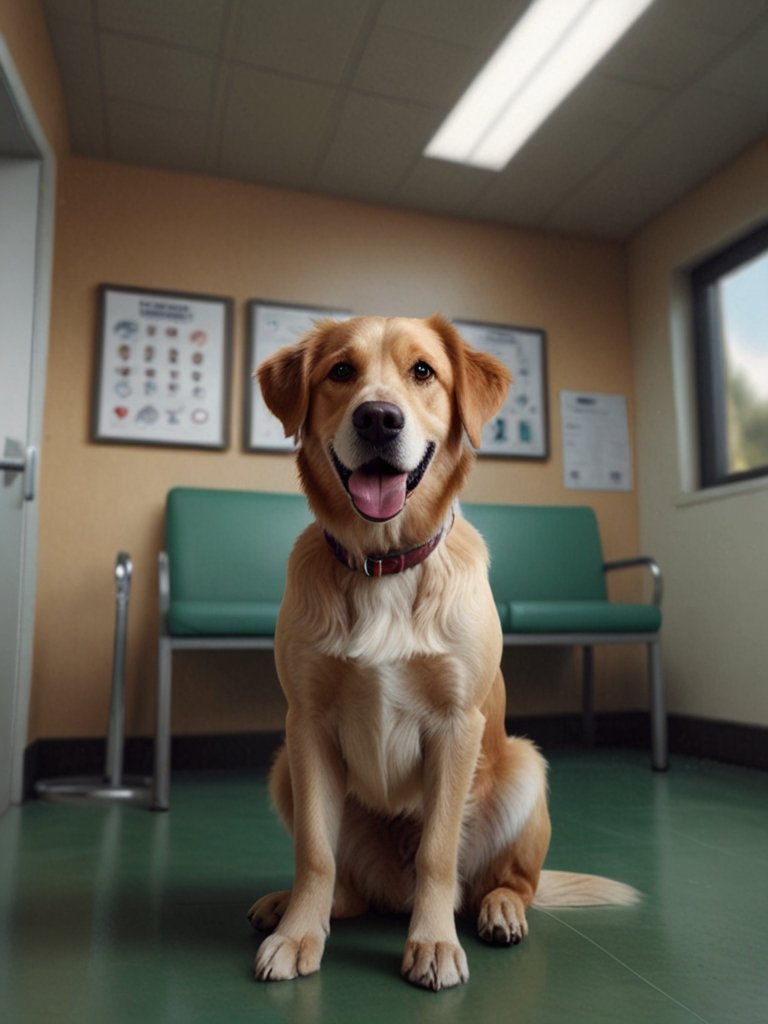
{"x": 115, "y": 914}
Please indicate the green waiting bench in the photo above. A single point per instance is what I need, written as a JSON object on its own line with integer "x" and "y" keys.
{"x": 548, "y": 578}
{"x": 222, "y": 577}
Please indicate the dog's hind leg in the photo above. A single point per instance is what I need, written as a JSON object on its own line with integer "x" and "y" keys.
{"x": 509, "y": 885}
{"x": 266, "y": 913}
{"x": 511, "y": 822}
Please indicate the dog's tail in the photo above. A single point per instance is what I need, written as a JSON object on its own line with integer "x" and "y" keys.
{"x": 566, "y": 889}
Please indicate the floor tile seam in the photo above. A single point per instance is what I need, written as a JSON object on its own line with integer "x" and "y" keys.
{"x": 625, "y": 966}
{"x": 673, "y": 836}
{"x": 718, "y": 849}
{"x": 609, "y": 843}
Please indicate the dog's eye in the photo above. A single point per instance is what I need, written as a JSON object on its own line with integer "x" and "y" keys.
{"x": 342, "y": 372}
{"x": 422, "y": 371}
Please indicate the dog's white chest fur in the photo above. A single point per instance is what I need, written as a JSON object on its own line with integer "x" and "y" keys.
{"x": 380, "y": 738}
{"x": 385, "y": 622}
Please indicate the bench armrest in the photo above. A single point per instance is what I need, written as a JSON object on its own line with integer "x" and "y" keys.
{"x": 164, "y": 589}
{"x": 648, "y": 563}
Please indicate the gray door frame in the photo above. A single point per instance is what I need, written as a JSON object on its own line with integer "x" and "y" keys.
{"x": 28, "y": 135}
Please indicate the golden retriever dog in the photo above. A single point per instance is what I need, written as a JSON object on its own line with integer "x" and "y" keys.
{"x": 397, "y": 781}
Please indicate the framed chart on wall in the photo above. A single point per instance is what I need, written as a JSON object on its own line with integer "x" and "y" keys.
{"x": 520, "y": 429}
{"x": 271, "y": 326}
{"x": 163, "y": 368}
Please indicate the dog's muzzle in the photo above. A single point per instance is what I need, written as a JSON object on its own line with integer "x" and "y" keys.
{"x": 379, "y": 488}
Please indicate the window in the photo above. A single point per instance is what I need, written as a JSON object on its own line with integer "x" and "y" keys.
{"x": 730, "y": 306}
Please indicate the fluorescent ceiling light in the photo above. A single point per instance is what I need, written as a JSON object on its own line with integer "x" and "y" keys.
{"x": 545, "y": 56}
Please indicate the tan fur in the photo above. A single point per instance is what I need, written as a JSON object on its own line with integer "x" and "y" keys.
{"x": 397, "y": 780}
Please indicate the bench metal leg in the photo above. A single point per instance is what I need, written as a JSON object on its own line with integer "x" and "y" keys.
{"x": 588, "y": 696}
{"x": 659, "y": 750}
{"x": 161, "y": 783}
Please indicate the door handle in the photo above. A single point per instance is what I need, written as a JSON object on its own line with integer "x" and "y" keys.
{"x": 15, "y": 460}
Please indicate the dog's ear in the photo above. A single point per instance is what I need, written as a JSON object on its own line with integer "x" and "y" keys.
{"x": 284, "y": 383}
{"x": 481, "y": 381}
{"x": 284, "y": 378}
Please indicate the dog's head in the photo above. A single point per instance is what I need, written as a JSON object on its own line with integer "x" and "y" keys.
{"x": 380, "y": 407}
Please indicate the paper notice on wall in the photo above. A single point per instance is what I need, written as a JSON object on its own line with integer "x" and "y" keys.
{"x": 596, "y": 453}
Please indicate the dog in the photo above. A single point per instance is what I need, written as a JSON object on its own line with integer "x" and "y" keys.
{"x": 397, "y": 780}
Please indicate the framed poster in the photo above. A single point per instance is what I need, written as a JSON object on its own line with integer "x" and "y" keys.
{"x": 163, "y": 367}
{"x": 520, "y": 429}
{"x": 271, "y": 326}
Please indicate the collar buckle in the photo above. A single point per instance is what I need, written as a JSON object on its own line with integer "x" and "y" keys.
{"x": 372, "y": 566}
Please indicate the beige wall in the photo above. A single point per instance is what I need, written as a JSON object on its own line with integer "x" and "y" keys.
{"x": 712, "y": 547}
{"x": 134, "y": 226}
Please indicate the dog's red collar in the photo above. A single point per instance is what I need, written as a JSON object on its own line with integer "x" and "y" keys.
{"x": 389, "y": 564}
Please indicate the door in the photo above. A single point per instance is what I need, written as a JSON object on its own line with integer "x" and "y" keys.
{"x": 27, "y": 197}
{"x": 19, "y": 189}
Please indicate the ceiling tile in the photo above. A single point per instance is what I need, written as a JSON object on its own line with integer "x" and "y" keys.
{"x": 302, "y": 37}
{"x": 672, "y": 149}
{"x": 413, "y": 67}
{"x": 481, "y": 24}
{"x": 660, "y": 164}
{"x": 614, "y": 217}
{"x": 730, "y": 18}
{"x": 441, "y": 186}
{"x": 564, "y": 153}
{"x": 664, "y": 48}
{"x": 374, "y": 147}
{"x": 254, "y": 142}
{"x": 155, "y": 74}
{"x": 743, "y": 71}
{"x": 614, "y": 100}
{"x": 71, "y": 10}
{"x": 76, "y": 48}
{"x": 193, "y": 23}
{"x": 177, "y": 141}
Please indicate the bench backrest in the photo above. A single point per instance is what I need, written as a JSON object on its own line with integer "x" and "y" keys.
{"x": 231, "y": 545}
{"x": 541, "y": 552}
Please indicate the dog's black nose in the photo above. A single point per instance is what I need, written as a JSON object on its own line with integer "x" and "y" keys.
{"x": 378, "y": 422}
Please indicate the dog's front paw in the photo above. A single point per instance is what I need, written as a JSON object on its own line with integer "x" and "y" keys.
{"x": 281, "y": 958}
{"x": 502, "y": 918}
{"x": 434, "y": 965}
{"x": 266, "y": 913}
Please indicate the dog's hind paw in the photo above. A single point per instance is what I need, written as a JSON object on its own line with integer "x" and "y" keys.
{"x": 281, "y": 958}
{"x": 434, "y": 965}
{"x": 266, "y": 913}
{"x": 502, "y": 918}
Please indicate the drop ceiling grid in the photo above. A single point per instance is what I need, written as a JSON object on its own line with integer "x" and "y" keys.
{"x": 341, "y": 96}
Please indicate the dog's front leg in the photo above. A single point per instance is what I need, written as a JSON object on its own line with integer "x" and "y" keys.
{"x": 433, "y": 956}
{"x": 318, "y": 784}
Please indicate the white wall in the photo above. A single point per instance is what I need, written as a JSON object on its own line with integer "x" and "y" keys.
{"x": 713, "y": 548}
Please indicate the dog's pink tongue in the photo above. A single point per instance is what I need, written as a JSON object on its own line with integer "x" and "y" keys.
{"x": 377, "y": 495}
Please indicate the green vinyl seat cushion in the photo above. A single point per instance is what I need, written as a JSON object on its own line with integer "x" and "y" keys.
{"x": 578, "y": 617}
{"x": 223, "y": 618}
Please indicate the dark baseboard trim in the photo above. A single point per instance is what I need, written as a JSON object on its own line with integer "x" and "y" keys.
{"x": 731, "y": 742}
{"x": 745, "y": 745}
{"x": 61, "y": 758}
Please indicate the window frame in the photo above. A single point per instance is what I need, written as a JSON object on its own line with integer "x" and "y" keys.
{"x": 709, "y": 352}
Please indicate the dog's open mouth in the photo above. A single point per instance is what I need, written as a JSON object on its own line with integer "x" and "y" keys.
{"x": 379, "y": 490}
